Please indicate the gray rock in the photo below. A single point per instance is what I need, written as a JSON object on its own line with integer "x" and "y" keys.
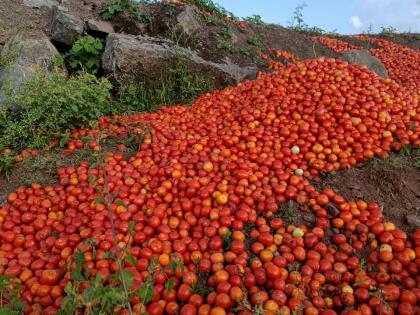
{"x": 25, "y": 54}
{"x": 188, "y": 20}
{"x": 129, "y": 59}
{"x": 66, "y": 28}
{"x": 364, "y": 58}
{"x": 100, "y": 26}
{"x": 40, "y": 3}
{"x": 413, "y": 220}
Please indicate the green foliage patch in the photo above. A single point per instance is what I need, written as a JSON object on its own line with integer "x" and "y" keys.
{"x": 47, "y": 106}
{"x": 116, "y": 7}
{"x": 85, "y": 54}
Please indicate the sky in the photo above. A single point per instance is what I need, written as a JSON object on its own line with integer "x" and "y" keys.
{"x": 343, "y": 16}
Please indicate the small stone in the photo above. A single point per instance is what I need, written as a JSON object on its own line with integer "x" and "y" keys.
{"x": 413, "y": 220}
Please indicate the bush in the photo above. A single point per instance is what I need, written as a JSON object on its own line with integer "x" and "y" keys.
{"x": 49, "y": 105}
{"x": 85, "y": 54}
{"x": 116, "y": 7}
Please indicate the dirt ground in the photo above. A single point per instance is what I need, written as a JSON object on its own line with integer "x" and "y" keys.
{"x": 394, "y": 183}
{"x": 15, "y": 15}
{"x": 411, "y": 40}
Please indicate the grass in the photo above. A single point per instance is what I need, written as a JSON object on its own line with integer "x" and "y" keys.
{"x": 178, "y": 85}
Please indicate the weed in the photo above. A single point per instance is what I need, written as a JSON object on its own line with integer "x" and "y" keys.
{"x": 47, "y": 106}
{"x": 388, "y": 30}
{"x": 209, "y": 6}
{"x": 256, "y": 44}
{"x": 176, "y": 85}
{"x": 297, "y": 22}
{"x": 226, "y": 32}
{"x": 227, "y": 240}
{"x": 85, "y": 54}
{"x": 227, "y": 46}
{"x": 380, "y": 294}
{"x": 116, "y": 7}
{"x": 286, "y": 214}
{"x": 391, "y": 162}
{"x": 254, "y": 19}
{"x": 7, "y": 160}
{"x": 200, "y": 286}
{"x": 327, "y": 175}
{"x": 10, "y": 303}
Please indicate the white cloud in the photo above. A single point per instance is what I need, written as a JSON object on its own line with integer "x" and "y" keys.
{"x": 356, "y": 22}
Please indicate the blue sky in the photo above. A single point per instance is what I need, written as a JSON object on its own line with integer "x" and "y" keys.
{"x": 345, "y": 16}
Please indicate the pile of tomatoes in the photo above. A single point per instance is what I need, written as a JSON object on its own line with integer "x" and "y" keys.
{"x": 335, "y": 44}
{"x": 220, "y": 169}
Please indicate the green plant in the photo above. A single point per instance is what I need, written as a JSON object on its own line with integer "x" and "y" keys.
{"x": 116, "y": 7}
{"x": 7, "y": 160}
{"x": 388, "y": 30}
{"x": 213, "y": 8}
{"x": 254, "y": 19}
{"x": 226, "y": 32}
{"x": 85, "y": 54}
{"x": 47, "y": 106}
{"x": 176, "y": 85}
{"x": 297, "y": 22}
{"x": 256, "y": 43}
{"x": 10, "y": 302}
{"x": 225, "y": 43}
{"x": 286, "y": 213}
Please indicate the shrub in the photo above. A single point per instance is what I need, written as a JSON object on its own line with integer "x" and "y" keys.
{"x": 85, "y": 54}
{"x": 298, "y": 24}
{"x": 211, "y": 7}
{"x": 116, "y": 7}
{"x": 49, "y": 105}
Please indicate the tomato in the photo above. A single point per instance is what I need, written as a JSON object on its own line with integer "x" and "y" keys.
{"x": 184, "y": 292}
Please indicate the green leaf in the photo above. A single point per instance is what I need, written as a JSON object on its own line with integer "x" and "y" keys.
{"x": 130, "y": 259}
{"x": 131, "y": 226}
{"x": 98, "y": 201}
{"x": 121, "y": 203}
{"x": 127, "y": 277}
{"x": 76, "y": 274}
{"x": 169, "y": 285}
{"x": 146, "y": 291}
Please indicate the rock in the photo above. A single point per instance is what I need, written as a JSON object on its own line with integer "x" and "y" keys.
{"x": 40, "y": 3}
{"x": 413, "y": 220}
{"x": 364, "y": 58}
{"x": 25, "y": 53}
{"x": 130, "y": 59}
{"x": 100, "y": 26}
{"x": 188, "y": 20}
{"x": 66, "y": 28}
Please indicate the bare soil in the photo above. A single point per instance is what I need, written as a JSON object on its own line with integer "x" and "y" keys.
{"x": 411, "y": 40}
{"x": 394, "y": 183}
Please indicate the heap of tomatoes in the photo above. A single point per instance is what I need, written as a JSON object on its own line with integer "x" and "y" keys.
{"x": 220, "y": 169}
{"x": 335, "y": 44}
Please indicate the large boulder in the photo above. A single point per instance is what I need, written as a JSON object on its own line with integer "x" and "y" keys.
{"x": 25, "y": 54}
{"x": 364, "y": 58}
{"x": 66, "y": 28}
{"x": 131, "y": 59}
